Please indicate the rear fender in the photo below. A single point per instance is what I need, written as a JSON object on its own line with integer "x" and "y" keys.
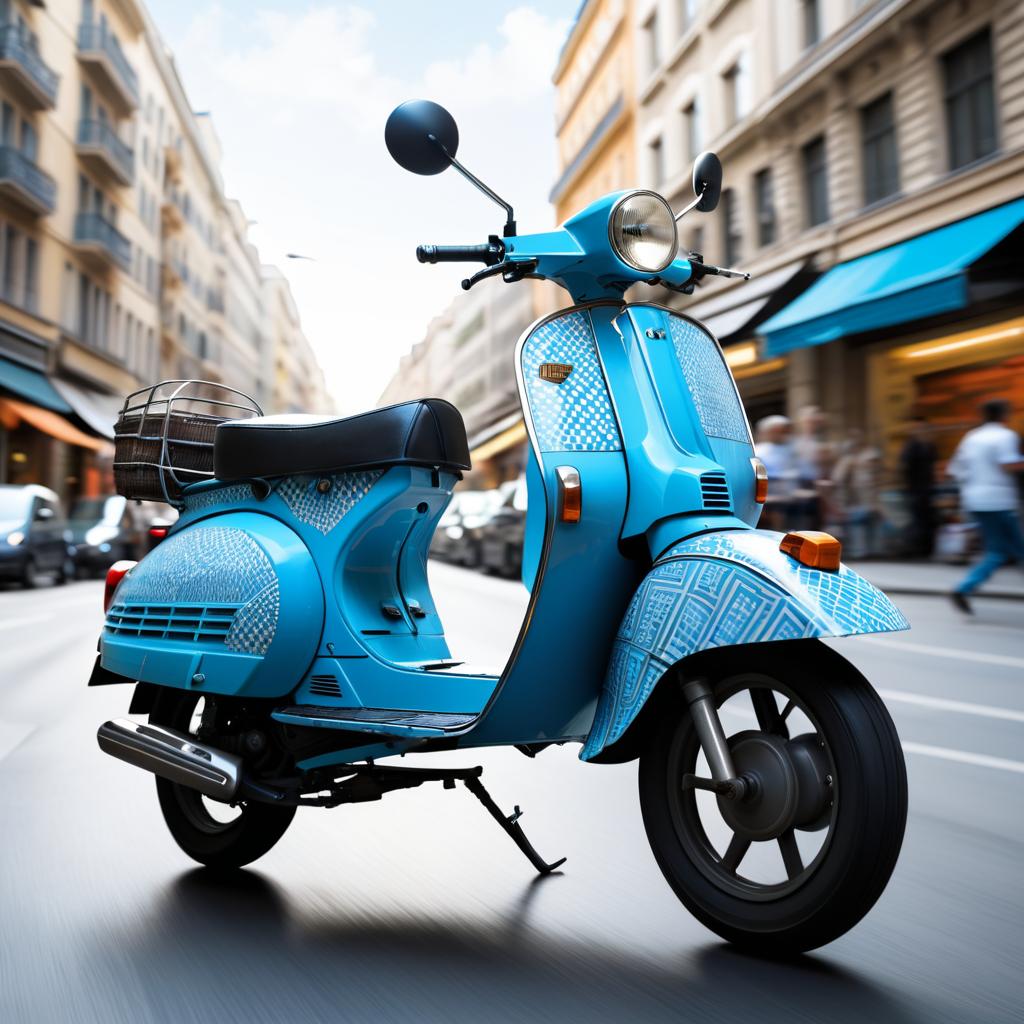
{"x": 719, "y": 590}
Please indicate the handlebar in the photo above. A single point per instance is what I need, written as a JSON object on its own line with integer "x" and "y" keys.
{"x": 489, "y": 252}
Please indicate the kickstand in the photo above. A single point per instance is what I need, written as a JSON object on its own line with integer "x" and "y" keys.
{"x": 511, "y": 825}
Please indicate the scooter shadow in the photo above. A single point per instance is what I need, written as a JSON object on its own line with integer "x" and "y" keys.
{"x": 236, "y": 941}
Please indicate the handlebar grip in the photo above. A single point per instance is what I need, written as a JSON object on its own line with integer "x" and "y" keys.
{"x": 484, "y": 253}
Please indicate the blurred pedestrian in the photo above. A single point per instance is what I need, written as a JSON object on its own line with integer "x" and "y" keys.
{"x": 917, "y": 471}
{"x": 774, "y": 448}
{"x": 857, "y": 479}
{"x": 984, "y": 464}
{"x": 813, "y": 458}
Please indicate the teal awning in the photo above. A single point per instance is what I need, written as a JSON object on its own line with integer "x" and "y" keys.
{"x": 31, "y": 385}
{"x": 917, "y": 278}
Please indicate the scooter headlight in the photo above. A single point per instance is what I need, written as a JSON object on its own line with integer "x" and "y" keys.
{"x": 642, "y": 231}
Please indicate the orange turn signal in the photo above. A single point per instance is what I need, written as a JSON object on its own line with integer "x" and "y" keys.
{"x": 760, "y": 481}
{"x": 813, "y": 548}
{"x": 570, "y": 494}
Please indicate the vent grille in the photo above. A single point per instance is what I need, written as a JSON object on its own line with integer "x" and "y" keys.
{"x": 715, "y": 491}
{"x": 324, "y": 686}
{"x": 195, "y": 623}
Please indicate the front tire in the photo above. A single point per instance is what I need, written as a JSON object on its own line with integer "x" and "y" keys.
{"x": 212, "y": 833}
{"x": 802, "y": 861}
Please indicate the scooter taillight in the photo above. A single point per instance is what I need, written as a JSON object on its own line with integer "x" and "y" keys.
{"x": 115, "y": 574}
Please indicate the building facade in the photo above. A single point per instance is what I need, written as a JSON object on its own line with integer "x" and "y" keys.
{"x": 850, "y": 131}
{"x": 122, "y": 261}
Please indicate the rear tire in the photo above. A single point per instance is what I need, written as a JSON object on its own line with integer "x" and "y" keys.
{"x": 851, "y": 743}
{"x": 207, "y": 838}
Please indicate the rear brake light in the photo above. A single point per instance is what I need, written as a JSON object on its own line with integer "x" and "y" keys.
{"x": 158, "y": 532}
{"x": 760, "y": 481}
{"x": 115, "y": 574}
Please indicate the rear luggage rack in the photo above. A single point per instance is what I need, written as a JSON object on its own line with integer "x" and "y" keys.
{"x": 163, "y": 437}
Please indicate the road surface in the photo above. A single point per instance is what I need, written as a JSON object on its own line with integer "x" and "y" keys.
{"x": 419, "y": 909}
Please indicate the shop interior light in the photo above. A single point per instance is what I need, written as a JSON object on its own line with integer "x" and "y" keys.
{"x": 741, "y": 355}
{"x": 964, "y": 341}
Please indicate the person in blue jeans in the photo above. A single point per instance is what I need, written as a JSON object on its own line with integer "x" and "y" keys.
{"x": 985, "y": 464}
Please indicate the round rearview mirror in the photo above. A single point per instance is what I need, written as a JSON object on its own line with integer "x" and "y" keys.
{"x": 707, "y": 181}
{"x": 419, "y": 134}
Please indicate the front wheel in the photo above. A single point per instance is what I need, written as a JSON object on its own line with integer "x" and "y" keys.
{"x": 213, "y": 833}
{"x": 803, "y": 858}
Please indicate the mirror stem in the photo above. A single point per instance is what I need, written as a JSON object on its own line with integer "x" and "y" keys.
{"x": 686, "y": 209}
{"x": 509, "y": 230}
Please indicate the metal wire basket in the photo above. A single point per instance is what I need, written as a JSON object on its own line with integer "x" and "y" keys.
{"x": 163, "y": 437}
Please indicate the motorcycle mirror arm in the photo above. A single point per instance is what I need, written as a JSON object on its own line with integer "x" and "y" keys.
{"x": 690, "y": 206}
{"x": 509, "y": 230}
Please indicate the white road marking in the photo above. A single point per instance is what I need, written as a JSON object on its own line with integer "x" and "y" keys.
{"x": 27, "y": 620}
{"x": 963, "y": 757}
{"x": 980, "y": 657}
{"x": 956, "y": 706}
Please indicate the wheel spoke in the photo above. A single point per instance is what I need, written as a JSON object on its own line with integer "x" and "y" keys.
{"x": 790, "y": 854}
{"x": 735, "y": 852}
{"x": 767, "y": 711}
{"x": 786, "y": 710}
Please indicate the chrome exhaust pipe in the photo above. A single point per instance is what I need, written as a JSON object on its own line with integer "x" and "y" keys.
{"x": 174, "y": 756}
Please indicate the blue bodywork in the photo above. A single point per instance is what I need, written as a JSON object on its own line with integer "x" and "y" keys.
{"x": 315, "y": 595}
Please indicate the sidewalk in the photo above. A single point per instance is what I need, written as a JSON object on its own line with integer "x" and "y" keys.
{"x": 938, "y": 578}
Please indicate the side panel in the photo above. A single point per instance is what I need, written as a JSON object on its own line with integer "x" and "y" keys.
{"x": 583, "y": 582}
{"x": 718, "y": 590}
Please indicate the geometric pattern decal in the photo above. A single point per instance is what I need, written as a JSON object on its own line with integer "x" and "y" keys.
{"x": 721, "y": 589}
{"x": 324, "y": 511}
{"x": 575, "y": 416}
{"x": 710, "y": 383}
{"x": 211, "y": 565}
{"x": 231, "y": 495}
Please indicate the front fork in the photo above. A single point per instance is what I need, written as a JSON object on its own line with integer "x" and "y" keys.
{"x": 724, "y": 780}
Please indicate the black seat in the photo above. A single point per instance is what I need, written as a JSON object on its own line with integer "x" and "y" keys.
{"x": 429, "y": 432}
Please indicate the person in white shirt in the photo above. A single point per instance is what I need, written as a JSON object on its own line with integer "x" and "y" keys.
{"x": 985, "y": 464}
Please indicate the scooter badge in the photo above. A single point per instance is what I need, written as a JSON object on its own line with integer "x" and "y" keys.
{"x": 555, "y": 373}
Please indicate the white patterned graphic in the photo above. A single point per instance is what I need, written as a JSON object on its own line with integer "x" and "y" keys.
{"x": 324, "y": 511}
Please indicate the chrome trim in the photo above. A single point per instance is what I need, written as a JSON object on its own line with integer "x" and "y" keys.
{"x": 174, "y": 756}
{"x": 611, "y": 240}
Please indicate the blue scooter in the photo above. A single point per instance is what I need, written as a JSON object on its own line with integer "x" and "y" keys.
{"x": 283, "y": 641}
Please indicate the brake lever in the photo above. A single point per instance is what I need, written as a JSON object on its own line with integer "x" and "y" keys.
{"x": 510, "y": 270}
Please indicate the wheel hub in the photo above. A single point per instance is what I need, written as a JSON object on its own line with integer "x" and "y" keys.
{"x": 770, "y": 806}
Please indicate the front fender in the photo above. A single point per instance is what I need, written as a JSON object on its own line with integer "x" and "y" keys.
{"x": 721, "y": 589}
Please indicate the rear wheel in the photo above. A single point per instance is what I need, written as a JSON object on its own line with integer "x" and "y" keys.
{"x": 215, "y": 834}
{"x": 799, "y": 861}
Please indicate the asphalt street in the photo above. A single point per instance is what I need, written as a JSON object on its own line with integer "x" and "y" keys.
{"x": 419, "y": 908}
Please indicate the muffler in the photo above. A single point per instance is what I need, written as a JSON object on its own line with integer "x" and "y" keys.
{"x": 174, "y": 756}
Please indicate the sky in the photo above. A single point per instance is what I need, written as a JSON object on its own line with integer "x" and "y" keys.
{"x": 299, "y": 93}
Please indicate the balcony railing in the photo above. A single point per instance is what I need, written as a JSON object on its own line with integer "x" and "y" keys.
{"x": 98, "y": 45}
{"x": 94, "y": 232}
{"x": 21, "y": 179}
{"x": 98, "y": 141}
{"x": 20, "y": 61}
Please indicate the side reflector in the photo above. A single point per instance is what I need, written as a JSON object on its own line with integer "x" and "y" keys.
{"x": 813, "y": 548}
{"x": 570, "y": 494}
{"x": 760, "y": 481}
{"x": 115, "y": 574}
{"x": 158, "y": 532}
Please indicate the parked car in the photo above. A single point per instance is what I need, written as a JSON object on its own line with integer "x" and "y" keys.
{"x": 34, "y": 538}
{"x": 500, "y": 538}
{"x": 109, "y": 528}
{"x": 453, "y": 540}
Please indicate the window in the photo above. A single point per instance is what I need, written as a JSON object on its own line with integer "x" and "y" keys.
{"x": 732, "y": 237}
{"x": 815, "y": 181}
{"x": 764, "y": 197}
{"x": 811, "y": 17}
{"x": 12, "y": 239}
{"x": 31, "y": 275}
{"x": 879, "y": 158}
{"x": 736, "y": 81}
{"x": 970, "y": 102}
{"x": 687, "y": 14}
{"x": 651, "y": 43}
{"x": 691, "y": 130}
{"x": 8, "y": 124}
{"x": 656, "y": 156}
